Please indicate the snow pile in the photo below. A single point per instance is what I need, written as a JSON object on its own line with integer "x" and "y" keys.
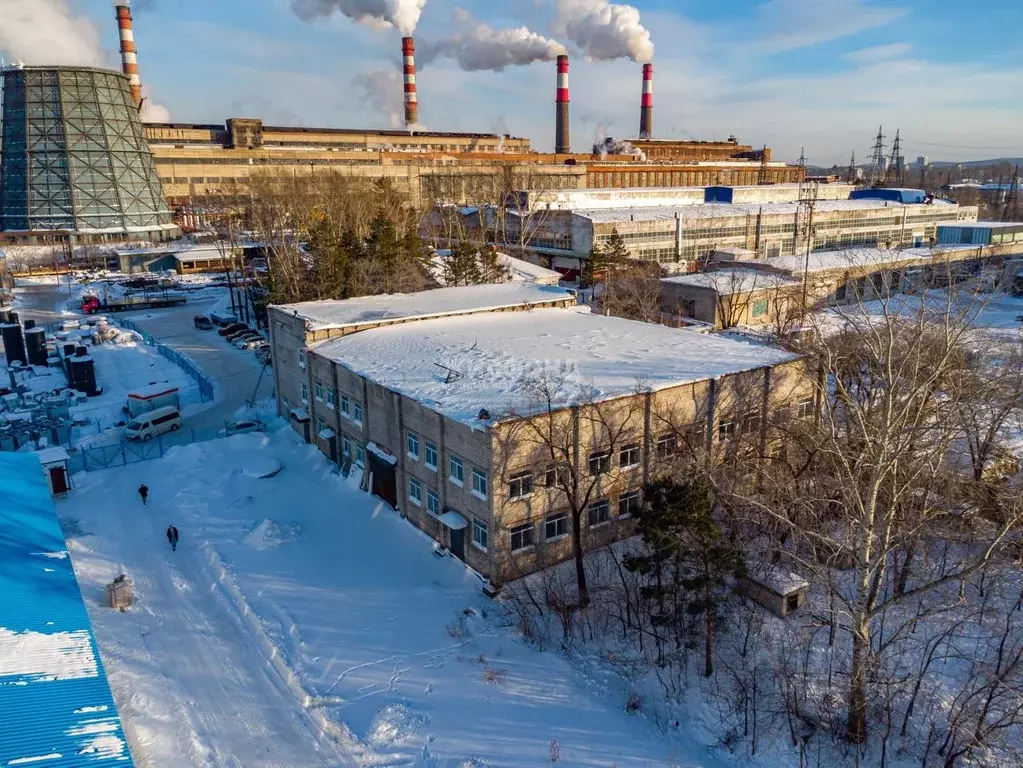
{"x": 34, "y": 657}
{"x": 269, "y": 535}
{"x": 395, "y": 725}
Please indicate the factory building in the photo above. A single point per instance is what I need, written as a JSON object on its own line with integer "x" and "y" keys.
{"x": 676, "y": 230}
{"x": 75, "y": 162}
{"x": 430, "y": 394}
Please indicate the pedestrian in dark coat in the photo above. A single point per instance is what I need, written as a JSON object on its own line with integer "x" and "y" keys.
{"x": 144, "y": 493}
{"x": 172, "y": 538}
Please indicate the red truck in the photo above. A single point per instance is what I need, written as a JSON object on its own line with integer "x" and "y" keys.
{"x": 92, "y": 304}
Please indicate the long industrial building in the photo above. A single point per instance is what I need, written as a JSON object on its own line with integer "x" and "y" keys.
{"x": 681, "y": 228}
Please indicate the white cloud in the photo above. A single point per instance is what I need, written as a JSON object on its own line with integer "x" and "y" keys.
{"x": 790, "y": 24}
{"x": 879, "y": 53}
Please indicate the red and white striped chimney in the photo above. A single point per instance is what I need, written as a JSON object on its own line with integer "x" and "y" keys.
{"x": 646, "y": 110}
{"x": 562, "y": 138}
{"x": 129, "y": 63}
{"x": 408, "y": 51}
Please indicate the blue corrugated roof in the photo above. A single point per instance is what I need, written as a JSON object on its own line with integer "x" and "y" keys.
{"x": 56, "y": 705}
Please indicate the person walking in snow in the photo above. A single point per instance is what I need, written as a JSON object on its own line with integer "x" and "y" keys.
{"x": 144, "y": 493}
{"x": 172, "y": 538}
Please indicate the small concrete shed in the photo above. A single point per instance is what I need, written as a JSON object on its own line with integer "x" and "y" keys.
{"x": 779, "y": 591}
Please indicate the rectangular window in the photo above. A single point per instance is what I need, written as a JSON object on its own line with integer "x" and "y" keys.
{"x": 413, "y": 446}
{"x": 628, "y": 504}
{"x": 432, "y": 502}
{"x": 751, "y": 422}
{"x": 628, "y": 456}
{"x": 320, "y": 424}
{"x": 599, "y": 512}
{"x": 760, "y": 308}
{"x": 555, "y": 526}
{"x": 805, "y": 409}
{"x": 305, "y": 392}
{"x": 480, "y": 534}
{"x": 319, "y": 392}
{"x": 430, "y": 456}
{"x": 726, "y": 430}
{"x": 301, "y": 358}
{"x": 600, "y": 463}
{"x": 346, "y": 446}
{"x": 479, "y": 483}
{"x": 520, "y": 485}
{"x": 346, "y": 407}
{"x": 415, "y": 491}
{"x": 360, "y": 455}
{"x": 521, "y": 537}
{"x": 331, "y": 398}
{"x": 456, "y": 470}
{"x": 667, "y": 446}
{"x": 357, "y": 416}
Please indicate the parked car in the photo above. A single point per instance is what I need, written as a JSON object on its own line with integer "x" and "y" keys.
{"x": 149, "y": 425}
{"x": 250, "y": 342}
{"x": 233, "y": 337}
{"x": 223, "y": 319}
{"x": 227, "y": 330}
{"x": 203, "y": 323}
{"x": 242, "y": 427}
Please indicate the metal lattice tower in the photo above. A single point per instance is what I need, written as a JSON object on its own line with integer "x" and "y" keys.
{"x": 877, "y": 158}
{"x": 1010, "y": 211}
{"x": 75, "y": 158}
{"x": 893, "y": 174}
{"x": 851, "y": 176}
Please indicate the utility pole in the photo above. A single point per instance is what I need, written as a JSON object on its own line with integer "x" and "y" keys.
{"x": 877, "y": 159}
{"x": 808, "y": 193}
{"x": 762, "y": 174}
{"x": 1010, "y": 211}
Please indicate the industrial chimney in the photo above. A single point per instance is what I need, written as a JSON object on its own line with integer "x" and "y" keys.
{"x": 408, "y": 50}
{"x": 646, "y": 110}
{"x": 562, "y": 138}
{"x": 129, "y": 63}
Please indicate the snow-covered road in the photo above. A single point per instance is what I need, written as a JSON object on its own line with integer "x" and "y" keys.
{"x": 226, "y": 705}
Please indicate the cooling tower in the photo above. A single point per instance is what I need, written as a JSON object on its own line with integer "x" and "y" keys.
{"x": 75, "y": 159}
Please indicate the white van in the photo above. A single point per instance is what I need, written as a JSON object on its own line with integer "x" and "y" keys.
{"x": 157, "y": 422}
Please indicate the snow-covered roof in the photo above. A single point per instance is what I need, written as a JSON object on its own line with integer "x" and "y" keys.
{"x": 726, "y": 282}
{"x": 777, "y": 580}
{"x": 726, "y": 210}
{"x": 459, "y": 366}
{"x": 854, "y": 258}
{"x": 323, "y": 315}
{"x": 52, "y": 455}
{"x": 54, "y": 695}
{"x": 519, "y": 271}
{"x": 984, "y": 224}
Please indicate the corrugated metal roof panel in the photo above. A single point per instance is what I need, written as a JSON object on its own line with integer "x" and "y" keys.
{"x": 56, "y": 702}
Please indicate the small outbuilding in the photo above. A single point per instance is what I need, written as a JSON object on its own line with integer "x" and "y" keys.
{"x": 55, "y": 466}
{"x": 779, "y": 591}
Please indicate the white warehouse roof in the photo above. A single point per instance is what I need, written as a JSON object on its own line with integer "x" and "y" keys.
{"x": 726, "y": 282}
{"x": 458, "y": 366}
{"x": 323, "y": 315}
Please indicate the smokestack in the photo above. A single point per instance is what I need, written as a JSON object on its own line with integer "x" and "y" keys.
{"x": 646, "y": 110}
{"x": 562, "y": 139}
{"x": 129, "y": 64}
{"x": 408, "y": 50}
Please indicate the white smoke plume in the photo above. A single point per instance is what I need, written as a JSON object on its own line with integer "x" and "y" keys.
{"x": 403, "y": 15}
{"x": 477, "y": 46}
{"x": 604, "y": 31}
{"x": 154, "y": 113}
{"x": 382, "y": 92}
{"x": 47, "y": 32}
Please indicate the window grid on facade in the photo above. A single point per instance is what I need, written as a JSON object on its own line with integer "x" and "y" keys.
{"x": 726, "y": 430}
{"x": 413, "y": 445}
{"x": 598, "y": 513}
{"x": 456, "y": 470}
{"x": 521, "y": 537}
{"x": 628, "y": 504}
{"x": 432, "y": 502}
{"x": 629, "y": 456}
{"x": 319, "y": 392}
{"x": 331, "y": 398}
{"x": 600, "y": 463}
{"x": 480, "y": 534}
{"x": 346, "y": 406}
{"x": 555, "y": 526}
{"x": 305, "y": 392}
{"x": 479, "y": 483}
{"x": 415, "y": 491}
{"x": 520, "y": 485}
{"x": 430, "y": 455}
{"x": 357, "y": 416}
{"x": 804, "y": 409}
{"x": 301, "y": 358}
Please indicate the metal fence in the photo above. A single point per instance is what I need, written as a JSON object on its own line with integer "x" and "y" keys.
{"x": 127, "y": 452}
{"x": 206, "y": 386}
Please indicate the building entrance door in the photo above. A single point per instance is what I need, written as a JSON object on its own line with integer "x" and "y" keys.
{"x": 458, "y": 543}
{"x": 58, "y": 480}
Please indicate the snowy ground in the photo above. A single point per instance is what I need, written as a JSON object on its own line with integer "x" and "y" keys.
{"x": 321, "y": 633}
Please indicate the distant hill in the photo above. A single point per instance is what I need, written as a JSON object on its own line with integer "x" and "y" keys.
{"x": 978, "y": 163}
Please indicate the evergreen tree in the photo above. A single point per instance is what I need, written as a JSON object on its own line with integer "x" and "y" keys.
{"x": 491, "y": 268}
{"x": 461, "y": 267}
{"x": 687, "y": 558}
{"x": 605, "y": 261}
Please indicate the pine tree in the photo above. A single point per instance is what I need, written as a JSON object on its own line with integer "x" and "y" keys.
{"x": 461, "y": 267}
{"x": 606, "y": 261}
{"x": 690, "y": 562}
{"x": 491, "y": 268}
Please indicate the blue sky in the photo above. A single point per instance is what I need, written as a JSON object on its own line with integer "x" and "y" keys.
{"x": 789, "y": 73}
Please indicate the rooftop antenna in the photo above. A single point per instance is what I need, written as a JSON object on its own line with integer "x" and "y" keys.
{"x": 451, "y": 375}
{"x": 877, "y": 159}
